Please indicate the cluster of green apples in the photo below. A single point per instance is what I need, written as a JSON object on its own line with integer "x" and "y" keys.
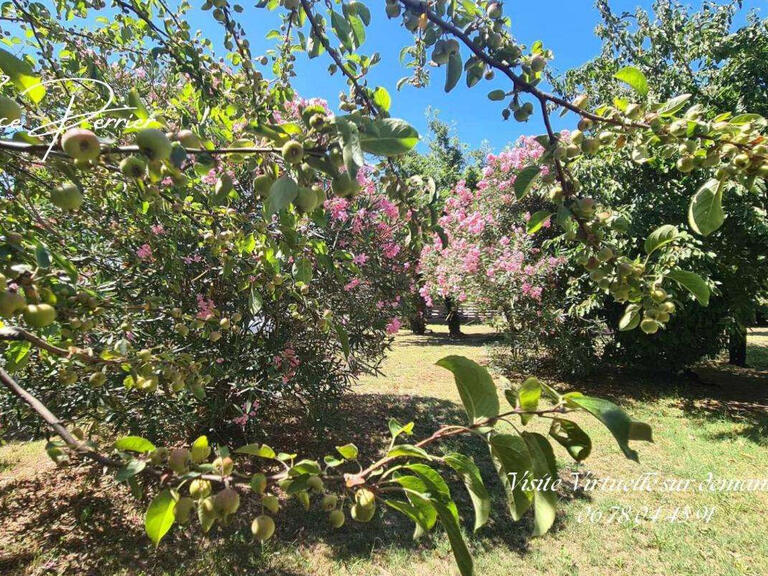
{"x": 220, "y": 507}
{"x": 36, "y": 314}
{"x": 731, "y": 146}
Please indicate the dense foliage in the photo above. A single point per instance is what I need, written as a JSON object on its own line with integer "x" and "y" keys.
{"x": 684, "y": 51}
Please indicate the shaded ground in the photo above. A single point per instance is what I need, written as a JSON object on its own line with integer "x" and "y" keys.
{"x": 75, "y": 522}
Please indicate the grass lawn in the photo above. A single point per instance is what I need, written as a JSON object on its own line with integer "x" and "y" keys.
{"x": 699, "y": 429}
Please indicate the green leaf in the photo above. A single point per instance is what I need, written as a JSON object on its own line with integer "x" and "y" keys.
{"x": 662, "y": 236}
{"x": 160, "y": 516}
{"x": 395, "y": 428}
{"x": 470, "y": 475}
{"x": 22, "y": 76}
{"x": 537, "y": 220}
{"x": 348, "y": 451}
{"x": 408, "y": 450}
{"x": 497, "y": 95}
{"x": 705, "y": 213}
{"x": 634, "y": 78}
{"x": 440, "y": 497}
{"x": 351, "y": 149}
{"x": 571, "y": 437}
{"x": 544, "y": 468}
{"x": 528, "y": 396}
{"x": 453, "y": 71}
{"x": 342, "y": 30}
{"x": 415, "y": 513}
{"x": 382, "y": 99}
{"x": 513, "y": 463}
{"x": 425, "y": 514}
{"x": 130, "y": 470}
{"x": 388, "y": 137}
{"x": 670, "y": 107}
{"x": 692, "y": 282}
{"x": 616, "y": 420}
{"x": 283, "y": 191}
{"x": 42, "y": 255}
{"x": 631, "y": 318}
{"x": 476, "y": 389}
{"x": 260, "y": 450}
{"x": 525, "y": 180}
{"x": 134, "y": 444}
{"x": 305, "y": 467}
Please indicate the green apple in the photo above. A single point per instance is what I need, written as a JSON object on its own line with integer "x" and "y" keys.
{"x": 293, "y": 152}
{"x": 133, "y": 167}
{"x": 183, "y": 509}
{"x": 188, "y": 139}
{"x": 154, "y": 144}
{"x": 67, "y": 196}
{"x": 11, "y": 303}
{"x": 39, "y": 315}
{"x": 81, "y": 144}
{"x": 226, "y": 502}
{"x": 199, "y": 489}
{"x": 336, "y": 518}
{"x": 263, "y": 527}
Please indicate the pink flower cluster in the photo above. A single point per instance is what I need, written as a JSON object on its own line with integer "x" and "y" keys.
{"x": 205, "y": 307}
{"x": 489, "y": 258}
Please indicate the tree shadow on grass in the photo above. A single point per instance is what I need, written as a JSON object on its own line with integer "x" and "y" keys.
{"x": 709, "y": 391}
{"x": 76, "y": 521}
{"x": 443, "y": 339}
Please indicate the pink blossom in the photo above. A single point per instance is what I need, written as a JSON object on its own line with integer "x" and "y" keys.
{"x": 145, "y": 252}
{"x": 393, "y": 326}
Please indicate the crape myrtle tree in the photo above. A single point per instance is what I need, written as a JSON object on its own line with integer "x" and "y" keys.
{"x": 118, "y": 180}
{"x": 446, "y": 164}
{"x": 680, "y": 51}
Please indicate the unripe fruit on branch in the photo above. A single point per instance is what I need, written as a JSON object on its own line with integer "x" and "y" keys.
{"x": 328, "y": 502}
{"x": 226, "y": 502}
{"x": 262, "y": 184}
{"x": 183, "y": 509}
{"x": 199, "y": 453}
{"x": 178, "y": 460}
{"x": 649, "y": 326}
{"x": 336, "y": 518}
{"x": 81, "y": 144}
{"x": 343, "y": 186}
{"x": 224, "y": 185}
{"x": 365, "y": 498}
{"x": 362, "y": 514}
{"x": 67, "y": 196}
{"x": 133, "y": 167}
{"x": 292, "y": 152}
{"x": 538, "y": 63}
{"x": 494, "y": 10}
{"x": 223, "y": 466}
{"x": 658, "y": 294}
{"x": 262, "y": 528}
{"x": 11, "y": 303}
{"x": 188, "y": 139}
{"x": 158, "y": 456}
{"x": 315, "y": 483}
{"x": 199, "y": 488}
{"x": 97, "y": 379}
{"x": 10, "y": 111}
{"x": 154, "y": 144}
{"x": 39, "y": 315}
{"x": 271, "y": 503}
{"x": 685, "y": 164}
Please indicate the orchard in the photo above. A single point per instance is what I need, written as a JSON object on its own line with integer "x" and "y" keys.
{"x": 193, "y": 254}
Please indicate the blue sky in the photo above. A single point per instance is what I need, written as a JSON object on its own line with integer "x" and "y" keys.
{"x": 565, "y": 26}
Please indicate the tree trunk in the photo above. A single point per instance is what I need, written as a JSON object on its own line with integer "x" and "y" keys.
{"x": 737, "y": 346}
{"x": 418, "y": 320}
{"x": 453, "y": 318}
